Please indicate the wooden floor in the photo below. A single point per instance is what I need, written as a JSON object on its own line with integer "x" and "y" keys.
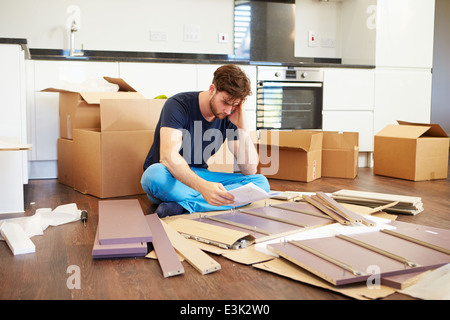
{"x": 43, "y": 274}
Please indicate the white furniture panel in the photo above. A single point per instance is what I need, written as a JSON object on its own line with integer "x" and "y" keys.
{"x": 402, "y": 94}
{"x": 13, "y": 164}
{"x": 154, "y": 79}
{"x": 353, "y": 121}
{"x": 348, "y": 89}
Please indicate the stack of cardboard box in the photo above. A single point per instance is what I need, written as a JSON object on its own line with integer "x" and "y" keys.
{"x": 104, "y": 138}
{"x": 304, "y": 155}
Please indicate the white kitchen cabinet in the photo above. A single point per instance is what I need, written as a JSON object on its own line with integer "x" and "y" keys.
{"x": 13, "y": 164}
{"x": 154, "y": 79}
{"x": 44, "y": 111}
{"x": 402, "y": 94}
{"x": 348, "y": 89}
{"x": 405, "y": 33}
{"x": 352, "y": 121}
{"x": 348, "y": 102}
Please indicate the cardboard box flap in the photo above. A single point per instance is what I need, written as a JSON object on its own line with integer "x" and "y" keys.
{"x": 123, "y": 86}
{"x": 434, "y": 131}
{"x": 57, "y": 90}
{"x": 95, "y": 97}
{"x": 129, "y": 114}
{"x": 292, "y": 139}
{"x": 403, "y": 131}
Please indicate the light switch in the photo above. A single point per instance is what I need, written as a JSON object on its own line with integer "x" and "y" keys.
{"x": 223, "y": 37}
{"x": 312, "y": 39}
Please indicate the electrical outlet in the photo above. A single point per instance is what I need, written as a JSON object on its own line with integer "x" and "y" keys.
{"x": 191, "y": 33}
{"x": 158, "y": 35}
{"x": 328, "y": 42}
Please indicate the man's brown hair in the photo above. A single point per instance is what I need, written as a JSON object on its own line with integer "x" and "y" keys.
{"x": 231, "y": 79}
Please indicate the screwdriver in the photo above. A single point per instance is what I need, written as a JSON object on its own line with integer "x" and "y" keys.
{"x": 84, "y": 217}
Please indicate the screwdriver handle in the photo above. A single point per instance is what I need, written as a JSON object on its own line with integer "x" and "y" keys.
{"x": 84, "y": 217}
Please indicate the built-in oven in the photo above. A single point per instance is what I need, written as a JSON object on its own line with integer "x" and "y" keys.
{"x": 289, "y": 98}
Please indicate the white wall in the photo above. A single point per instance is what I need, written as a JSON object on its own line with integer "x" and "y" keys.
{"x": 324, "y": 18}
{"x": 120, "y": 25}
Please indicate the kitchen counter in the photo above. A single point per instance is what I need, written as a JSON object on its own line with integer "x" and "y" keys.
{"x": 163, "y": 57}
{"x": 19, "y": 41}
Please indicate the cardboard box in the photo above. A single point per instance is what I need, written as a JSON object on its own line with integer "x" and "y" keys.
{"x": 411, "y": 151}
{"x": 108, "y": 161}
{"x": 65, "y": 161}
{"x": 340, "y": 151}
{"x": 290, "y": 155}
{"x": 82, "y": 109}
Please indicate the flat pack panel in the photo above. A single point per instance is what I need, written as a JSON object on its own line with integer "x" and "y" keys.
{"x": 118, "y": 250}
{"x": 341, "y": 262}
{"x": 208, "y": 233}
{"x": 122, "y": 221}
{"x": 167, "y": 257}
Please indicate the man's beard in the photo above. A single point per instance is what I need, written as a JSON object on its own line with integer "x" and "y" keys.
{"x": 216, "y": 114}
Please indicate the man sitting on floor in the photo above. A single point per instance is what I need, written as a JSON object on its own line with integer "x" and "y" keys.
{"x": 191, "y": 128}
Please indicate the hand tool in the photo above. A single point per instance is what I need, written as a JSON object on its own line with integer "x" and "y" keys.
{"x": 84, "y": 217}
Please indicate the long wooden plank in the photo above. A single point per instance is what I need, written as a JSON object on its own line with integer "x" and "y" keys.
{"x": 167, "y": 257}
{"x": 356, "y": 217}
{"x": 202, "y": 262}
{"x": 325, "y": 210}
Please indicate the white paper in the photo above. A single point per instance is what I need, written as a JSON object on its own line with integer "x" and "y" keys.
{"x": 249, "y": 193}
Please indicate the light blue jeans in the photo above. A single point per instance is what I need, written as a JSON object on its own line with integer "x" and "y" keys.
{"x": 161, "y": 186}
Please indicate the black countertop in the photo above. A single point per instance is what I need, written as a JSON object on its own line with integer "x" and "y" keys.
{"x": 163, "y": 57}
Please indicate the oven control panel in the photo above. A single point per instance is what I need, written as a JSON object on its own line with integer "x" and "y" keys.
{"x": 289, "y": 74}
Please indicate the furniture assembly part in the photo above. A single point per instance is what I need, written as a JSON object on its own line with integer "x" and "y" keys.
{"x": 122, "y": 221}
{"x": 194, "y": 255}
{"x": 167, "y": 257}
{"x": 210, "y": 234}
{"x": 350, "y": 259}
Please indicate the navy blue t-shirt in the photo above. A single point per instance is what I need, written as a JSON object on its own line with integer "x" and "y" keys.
{"x": 201, "y": 139}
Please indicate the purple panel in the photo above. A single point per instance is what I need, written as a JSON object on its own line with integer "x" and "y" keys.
{"x": 122, "y": 221}
{"x": 118, "y": 250}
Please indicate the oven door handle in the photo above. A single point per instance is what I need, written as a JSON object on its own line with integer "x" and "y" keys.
{"x": 291, "y": 84}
